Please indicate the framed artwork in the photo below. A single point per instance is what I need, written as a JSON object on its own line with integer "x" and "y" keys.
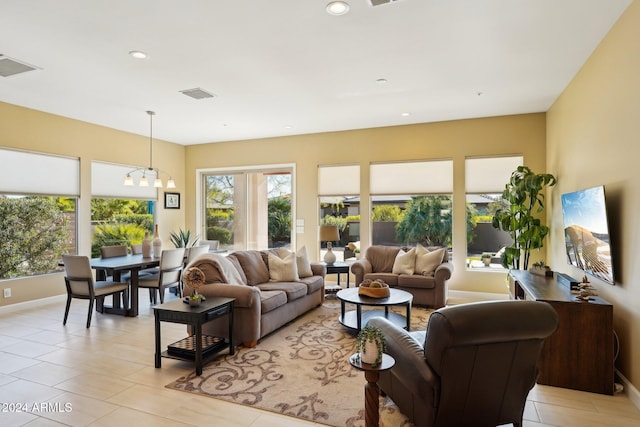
{"x": 172, "y": 200}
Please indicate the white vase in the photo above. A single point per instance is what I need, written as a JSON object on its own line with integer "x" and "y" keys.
{"x": 369, "y": 352}
{"x": 146, "y": 247}
{"x": 157, "y": 244}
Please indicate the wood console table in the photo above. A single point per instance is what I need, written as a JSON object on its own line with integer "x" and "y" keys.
{"x": 579, "y": 355}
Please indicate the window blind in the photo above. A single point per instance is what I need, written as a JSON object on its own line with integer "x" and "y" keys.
{"x": 107, "y": 180}
{"x": 343, "y": 180}
{"x": 23, "y": 172}
{"x": 424, "y": 177}
{"x": 489, "y": 174}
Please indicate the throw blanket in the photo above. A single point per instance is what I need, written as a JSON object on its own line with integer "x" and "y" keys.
{"x": 227, "y": 270}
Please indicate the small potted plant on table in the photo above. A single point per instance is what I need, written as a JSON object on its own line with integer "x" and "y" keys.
{"x": 194, "y": 278}
{"x": 370, "y": 345}
{"x": 486, "y": 259}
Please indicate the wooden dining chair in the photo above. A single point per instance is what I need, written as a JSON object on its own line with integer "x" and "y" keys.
{"x": 80, "y": 284}
{"x": 169, "y": 274}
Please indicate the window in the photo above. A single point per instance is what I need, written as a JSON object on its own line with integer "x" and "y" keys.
{"x": 485, "y": 178}
{"x": 248, "y": 209}
{"x": 339, "y": 200}
{"x": 38, "y": 194}
{"x": 120, "y": 215}
{"x": 411, "y": 203}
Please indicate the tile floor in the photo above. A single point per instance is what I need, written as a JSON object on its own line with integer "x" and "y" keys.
{"x": 105, "y": 376}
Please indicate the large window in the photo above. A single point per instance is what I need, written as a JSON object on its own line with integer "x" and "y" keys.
{"x": 339, "y": 200}
{"x": 485, "y": 178}
{"x": 411, "y": 203}
{"x": 248, "y": 209}
{"x": 38, "y": 194}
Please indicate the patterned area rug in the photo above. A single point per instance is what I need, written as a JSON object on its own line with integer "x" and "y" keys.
{"x": 301, "y": 370}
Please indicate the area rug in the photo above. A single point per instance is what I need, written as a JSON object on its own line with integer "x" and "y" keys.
{"x": 301, "y": 370}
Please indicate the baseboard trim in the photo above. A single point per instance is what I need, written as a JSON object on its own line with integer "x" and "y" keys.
{"x": 630, "y": 390}
{"x": 461, "y": 297}
{"x": 31, "y": 304}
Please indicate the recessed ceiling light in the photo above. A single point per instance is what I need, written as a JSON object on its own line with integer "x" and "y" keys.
{"x": 338, "y": 8}
{"x": 138, "y": 54}
{"x": 381, "y": 81}
{"x": 288, "y": 127}
{"x": 405, "y": 114}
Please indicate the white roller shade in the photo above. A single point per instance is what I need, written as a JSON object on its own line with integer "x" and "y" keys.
{"x": 427, "y": 177}
{"x": 43, "y": 174}
{"x": 339, "y": 180}
{"x": 107, "y": 180}
{"x": 489, "y": 174}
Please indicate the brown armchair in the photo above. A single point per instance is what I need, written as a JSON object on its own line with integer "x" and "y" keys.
{"x": 474, "y": 365}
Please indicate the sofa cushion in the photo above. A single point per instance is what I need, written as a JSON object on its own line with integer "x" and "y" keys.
{"x": 427, "y": 261}
{"x": 253, "y": 266}
{"x": 283, "y": 269}
{"x": 389, "y": 278}
{"x": 293, "y": 290}
{"x": 382, "y": 258}
{"x": 416, "y": 281}
{"x": 270, "y": 300}
{"x": 405, "y": 262}
{"x": 314, "y": 283}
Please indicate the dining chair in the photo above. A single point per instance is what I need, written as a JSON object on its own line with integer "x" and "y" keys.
{"x": 168, "y": 276}
{"x": 80, "y": 284}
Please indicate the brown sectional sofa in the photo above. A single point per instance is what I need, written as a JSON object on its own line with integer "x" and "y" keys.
{"x": 262, "y": 305}
{"x": 427, "y": 287}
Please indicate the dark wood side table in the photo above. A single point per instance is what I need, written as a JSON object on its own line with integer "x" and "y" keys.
{"x": 371, "y": 389}
{"x": 338, "y": 268}
{"x": 197, "y": 347}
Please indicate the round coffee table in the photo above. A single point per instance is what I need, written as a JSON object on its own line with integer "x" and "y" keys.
{"x": 355, "y": 319}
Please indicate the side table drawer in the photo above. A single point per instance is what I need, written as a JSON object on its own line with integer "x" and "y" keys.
{"x": 221, "y": 311}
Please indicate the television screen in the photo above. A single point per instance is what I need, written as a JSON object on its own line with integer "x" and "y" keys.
{"x": 586, "y": 232}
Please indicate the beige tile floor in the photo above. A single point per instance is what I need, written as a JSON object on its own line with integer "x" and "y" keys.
{"x": 105, "y": 376}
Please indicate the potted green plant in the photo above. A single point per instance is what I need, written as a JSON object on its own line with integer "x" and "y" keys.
{"x": 182, "y": 239}
{"x": 486, "y": 259}
{"x": 540, "y": 268}
{"x": 370, "y": 345}
{"x": 523, "y": 202}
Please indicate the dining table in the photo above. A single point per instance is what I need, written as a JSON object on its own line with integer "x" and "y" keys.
{"x": 116, "y": 266}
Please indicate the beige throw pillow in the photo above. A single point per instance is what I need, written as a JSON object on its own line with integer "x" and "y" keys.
{"x": 428, "y": 261}
{"x": 283, "y": 269}
{"x": 304, "y": 266}
{"x": 405, "y": 262}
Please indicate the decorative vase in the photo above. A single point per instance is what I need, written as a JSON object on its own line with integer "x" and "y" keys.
{"x": 146, "y": 246}
{"x": 194, "y": 302}
{"x": 157, "y": 244}
{"x": 487, "y": 261}
{"x": 369, "y": 352}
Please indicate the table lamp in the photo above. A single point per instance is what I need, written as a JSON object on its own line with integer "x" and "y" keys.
{"x": 329, "y": 233}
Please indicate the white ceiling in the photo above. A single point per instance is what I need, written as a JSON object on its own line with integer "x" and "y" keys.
{"x": 286, "y": 67}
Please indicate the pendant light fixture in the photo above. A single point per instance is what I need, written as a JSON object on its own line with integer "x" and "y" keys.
{"x": 149, "y": 171}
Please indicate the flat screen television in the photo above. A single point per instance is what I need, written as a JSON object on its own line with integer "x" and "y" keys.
{"x": 586, "y": 232}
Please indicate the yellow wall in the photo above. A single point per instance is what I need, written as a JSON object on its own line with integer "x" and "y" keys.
{"x": 592, "y": 139}
{"x": 27, "y": 129}
{"x": 520, "y": 134}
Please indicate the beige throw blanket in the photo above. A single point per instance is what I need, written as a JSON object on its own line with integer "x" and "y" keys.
{"x": 227, "y": 270}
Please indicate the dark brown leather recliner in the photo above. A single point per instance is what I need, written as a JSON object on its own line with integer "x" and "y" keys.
{"x": 474, "y": 365}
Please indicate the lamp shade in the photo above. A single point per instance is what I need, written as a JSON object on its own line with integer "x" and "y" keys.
{"x": 329, "y": 233}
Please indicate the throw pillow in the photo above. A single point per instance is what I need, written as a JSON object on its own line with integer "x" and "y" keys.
{"x": 304, "y": 266}
{"x": 283, "y": 269}
{"x": 405, "y": 262}
{"x": 427, "y": 261}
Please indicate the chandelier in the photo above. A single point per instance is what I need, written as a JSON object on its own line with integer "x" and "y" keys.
{"x": 149, "y": 172}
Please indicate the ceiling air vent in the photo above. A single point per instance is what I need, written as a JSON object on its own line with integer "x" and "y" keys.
{"x": 197, "y": 93}
{"x": 379, "y": 2}
{"x": 10, "y": 67}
